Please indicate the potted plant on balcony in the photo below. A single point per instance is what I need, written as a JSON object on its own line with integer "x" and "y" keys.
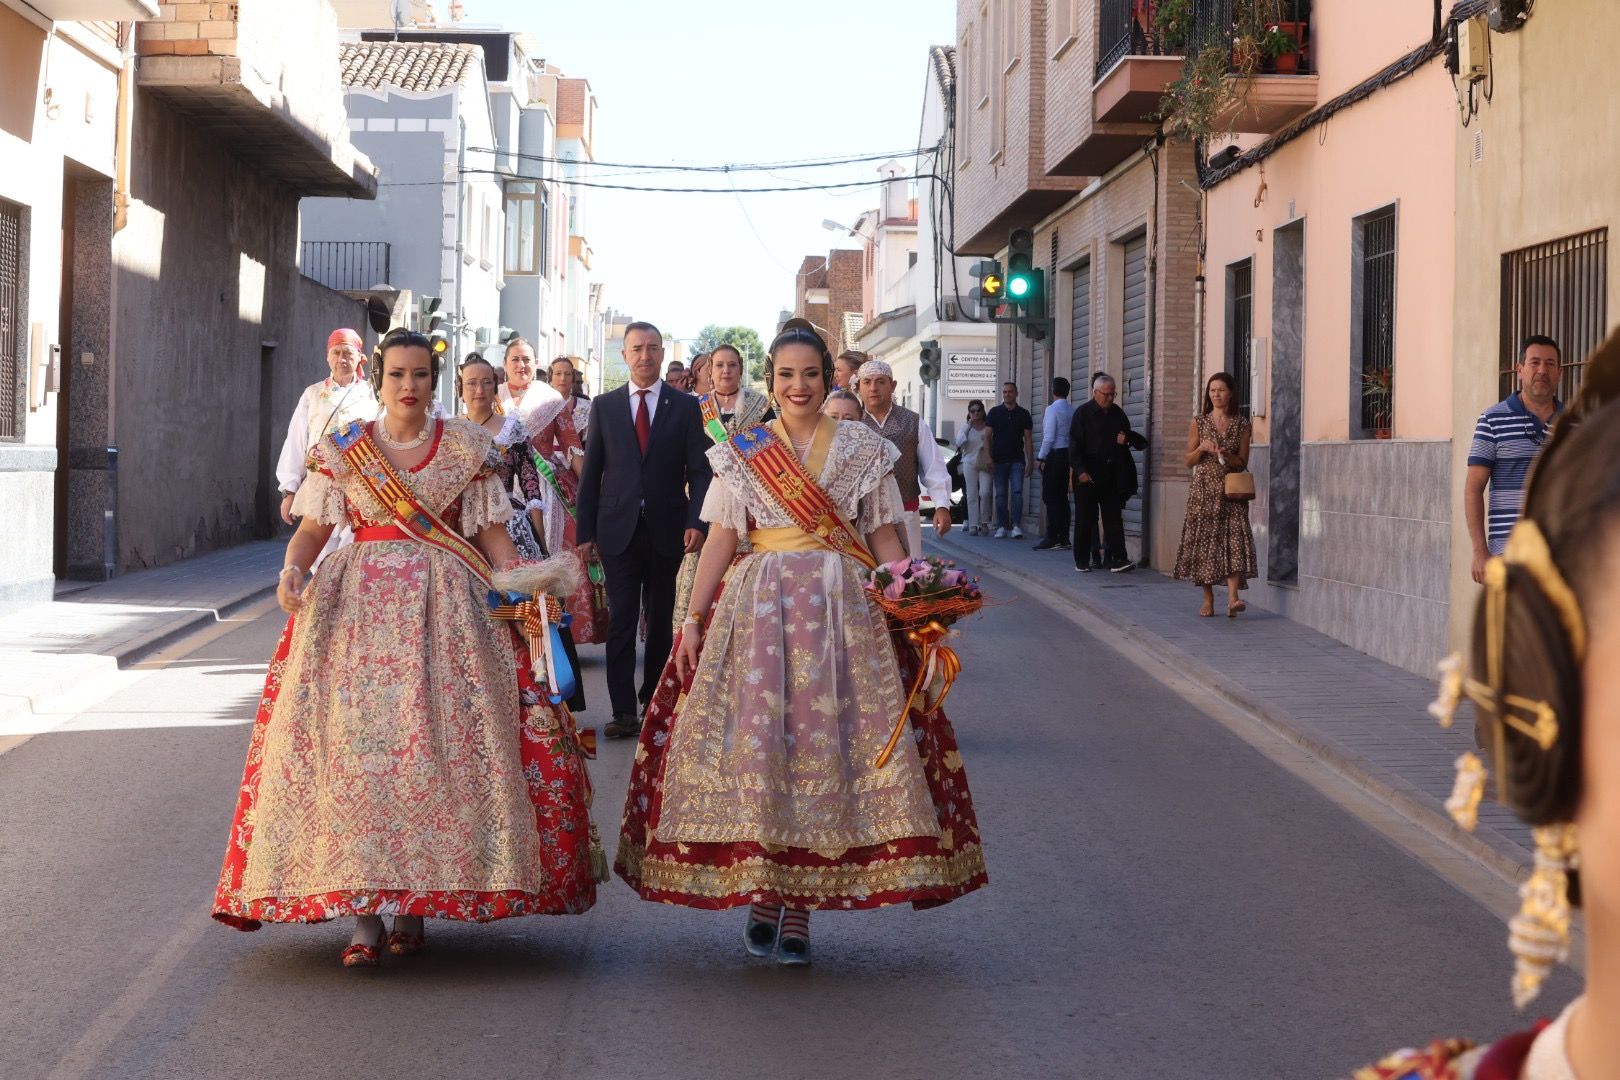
{"x": 1172, "y": 23}
{"x": 1377, "y": 401}
{"x": 1220, "y": 66}
{"x": 1281, "y": 49}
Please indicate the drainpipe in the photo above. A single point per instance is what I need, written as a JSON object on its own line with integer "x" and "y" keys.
{"x": 1152, "y": 354}
{"x": 123, "y": 138}
{"x": 459, "y": 314}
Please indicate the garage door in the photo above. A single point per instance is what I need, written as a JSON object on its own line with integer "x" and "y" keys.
{"x": 1080, "y": 335}
{"x": 1133, "y": 391}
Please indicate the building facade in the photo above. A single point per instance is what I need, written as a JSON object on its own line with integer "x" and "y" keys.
{"x": 828, "y": 290}
{"x": 168, "y": 329}
{"x": 1329, "y": 300}
{"x": 1535, "y": 180}
{"x": 1056, "y": 132}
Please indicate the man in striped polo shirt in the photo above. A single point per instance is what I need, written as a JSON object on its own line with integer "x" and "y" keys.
{"x": 1506, "y": 441}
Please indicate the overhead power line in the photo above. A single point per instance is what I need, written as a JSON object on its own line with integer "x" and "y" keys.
{"x": 730, "y": 167}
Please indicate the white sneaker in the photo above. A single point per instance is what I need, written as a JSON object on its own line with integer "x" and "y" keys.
{"x": 1000, "y": 534}
{"x": 1017, "y": 533}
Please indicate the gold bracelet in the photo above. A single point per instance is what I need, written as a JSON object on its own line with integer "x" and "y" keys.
{"x": 694, "y": 618}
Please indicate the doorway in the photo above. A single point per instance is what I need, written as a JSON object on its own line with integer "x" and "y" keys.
{"x": 1287, "y": 376}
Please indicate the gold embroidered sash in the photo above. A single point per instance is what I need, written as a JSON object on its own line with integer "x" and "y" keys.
{"x": 794, "y": 491}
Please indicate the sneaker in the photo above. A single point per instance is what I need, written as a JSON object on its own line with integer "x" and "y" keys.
{"x": 1064, "y": 545}
{"x": 1046, "y": 545}
{"x": 1082, "y": 568}
{"x": 1124, "y": 566}
{"x": 1000, "y": 534}
{"x": 1017, "y": 533}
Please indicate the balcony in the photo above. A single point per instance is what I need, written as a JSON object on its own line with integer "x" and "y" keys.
{"x": 1270, "y": 49}
{"x": 96, "y": 10}
{"x": 259, "y": 77}
{"x": 1136, "y": 62}
{"x": 347, "y": 265}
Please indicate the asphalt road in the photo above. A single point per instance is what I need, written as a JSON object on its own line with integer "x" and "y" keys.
{"x": 1165, "y": 901}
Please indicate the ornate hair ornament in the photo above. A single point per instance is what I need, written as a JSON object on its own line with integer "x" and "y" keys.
{"x": 1539, "y": 934}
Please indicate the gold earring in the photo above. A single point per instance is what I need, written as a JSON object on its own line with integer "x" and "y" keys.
{"x": 1539, "y": 934}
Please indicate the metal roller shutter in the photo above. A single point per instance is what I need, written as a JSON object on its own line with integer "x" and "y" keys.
{"x": 1080, "y": 336}
{"x": 1133, "y": 389}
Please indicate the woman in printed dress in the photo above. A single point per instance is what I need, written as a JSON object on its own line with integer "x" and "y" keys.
{"x": 403, "y": 761}
{"x": 559, "y": 455}
{"x": 477, "y": 383}
{"x": 738, "y": 408}
{"x": 1217, "y": 544}
{"x": 757, "y": 787}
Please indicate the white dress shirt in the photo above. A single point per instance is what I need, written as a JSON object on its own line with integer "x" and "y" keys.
{"x": 653, "y": 393}
{"x": 931, "y": 472}
{"x": 323, "y": 407}
{"x": 1055, "y": 427}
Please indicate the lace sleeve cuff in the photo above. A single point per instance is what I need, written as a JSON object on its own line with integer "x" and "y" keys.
{"x": 484, "y": 503}
{"x": 320, "y": 498}
{"x": 722, "y": 507}
{"x": 881, "y": 506}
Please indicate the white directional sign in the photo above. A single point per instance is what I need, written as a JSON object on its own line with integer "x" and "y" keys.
{"x": 970, "y": 375}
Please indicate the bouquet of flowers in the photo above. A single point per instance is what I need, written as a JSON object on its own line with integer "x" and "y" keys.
{"x": 916, "y": 592}
{"x": 922, "y": 598}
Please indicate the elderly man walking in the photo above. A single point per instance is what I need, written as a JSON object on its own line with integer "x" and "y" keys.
{"x": 920, "y": 467}
{"x": 1506, "y": 441}
{"x": 1100, "y": 445}
{"x": 330, "y": 405}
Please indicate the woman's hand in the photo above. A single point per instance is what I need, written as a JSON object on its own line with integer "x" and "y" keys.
{"x": 686, "y": 656}
{"x": 286, "y": 508}
{"x": 1208, "y": 446}
{"x": 290, "y": 589}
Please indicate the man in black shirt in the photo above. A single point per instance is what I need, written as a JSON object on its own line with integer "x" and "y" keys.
{"x": 1100, "y": 445}
{"x": 1012, "y": 456}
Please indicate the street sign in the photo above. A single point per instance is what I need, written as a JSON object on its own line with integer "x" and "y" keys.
{"x": 970, "y": 375}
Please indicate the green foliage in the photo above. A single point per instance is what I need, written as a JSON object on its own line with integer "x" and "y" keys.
{"x": 741, "y": 338}
{"x": 1219, "y": 70}
{"x": 1172, "y": 21}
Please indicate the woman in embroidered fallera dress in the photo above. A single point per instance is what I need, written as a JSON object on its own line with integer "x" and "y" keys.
{"x": 758, "y": 787}
{"x": 1543, "y": 672}
{"x": 404, "y": 761}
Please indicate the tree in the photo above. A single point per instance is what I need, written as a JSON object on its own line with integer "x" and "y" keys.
{"x": 741, "y": 338}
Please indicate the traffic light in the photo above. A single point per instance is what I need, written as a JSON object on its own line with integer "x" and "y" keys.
{"x": 1026, "y": 283}
{"x": 928, "y": 361}
{"x": 992, "y": 292}
{"x": 428, "y": 318}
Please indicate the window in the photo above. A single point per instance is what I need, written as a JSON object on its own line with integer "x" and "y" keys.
{"x": 1009, "y": 34}
{"x": 964, "y": 98}
{"x": 1065, "y": 20}
{"x": 12, "y": 368}
{"x": 987, "y": 56}
{"x": 1240, "y": 329}
{"x": 522, "y": 229}
{"x": 1372, "y": 325}
{"x": 1559, "y": 289}
{"x": 487, "y": 237}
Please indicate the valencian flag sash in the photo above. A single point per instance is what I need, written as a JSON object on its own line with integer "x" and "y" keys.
{"x": 712, "y": 424}
{"x": 540, "y": 618}
{"x": 794, "y": 492}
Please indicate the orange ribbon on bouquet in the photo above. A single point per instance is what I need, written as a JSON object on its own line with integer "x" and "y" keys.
{"x": 935, "y": 658}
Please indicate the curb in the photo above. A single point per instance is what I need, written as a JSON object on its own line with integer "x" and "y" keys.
{"x": 1485, "y": 845}
{"x": 78, "y": 688}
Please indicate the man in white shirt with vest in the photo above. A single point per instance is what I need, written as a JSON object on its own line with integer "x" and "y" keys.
{"x": 920, "y": 467}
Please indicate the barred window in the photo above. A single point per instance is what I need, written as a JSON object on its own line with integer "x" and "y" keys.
{"x": 12, "y": 368}
{"x": 1373, "y": 325}
{"x": 1240, "y": 329}
{"x": 1559, "y": 289}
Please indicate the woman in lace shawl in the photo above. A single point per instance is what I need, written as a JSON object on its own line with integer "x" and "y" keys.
{"x": 758, "y": 787}
{"x": 738, "y": 408}
{"x": 403, "y": 761}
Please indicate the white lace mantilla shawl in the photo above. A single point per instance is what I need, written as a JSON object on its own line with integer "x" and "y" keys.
{"x": 858, "y": 476}
{"x": 463, "y": 465}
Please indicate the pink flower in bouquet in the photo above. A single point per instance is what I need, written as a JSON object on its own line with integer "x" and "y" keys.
{"x": 895, "y": 589}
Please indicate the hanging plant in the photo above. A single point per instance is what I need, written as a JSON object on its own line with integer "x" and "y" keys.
{"x": 1204, "y": 102}
{"x": 1172, "y": 22}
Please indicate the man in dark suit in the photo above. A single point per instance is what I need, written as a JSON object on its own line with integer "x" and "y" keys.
{"x": 1100, "y": 445}
{"x": 639, "y": 497}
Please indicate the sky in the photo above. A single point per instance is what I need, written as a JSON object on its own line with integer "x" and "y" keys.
{"x": 721, "y": 82}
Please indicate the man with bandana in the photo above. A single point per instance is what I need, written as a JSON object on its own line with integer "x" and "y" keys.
{"x": 329, "y": 405}
{"x": 920, "y": 467}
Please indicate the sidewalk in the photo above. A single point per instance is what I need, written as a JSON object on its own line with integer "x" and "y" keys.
{"x": 56, "y": 658}
{"x": 1361, "y": 716}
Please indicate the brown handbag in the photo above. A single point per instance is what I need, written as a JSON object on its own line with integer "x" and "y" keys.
{"x": 1239, "y": 485}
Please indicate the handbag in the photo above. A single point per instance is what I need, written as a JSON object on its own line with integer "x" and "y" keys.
{"x": 1239, "y": 485}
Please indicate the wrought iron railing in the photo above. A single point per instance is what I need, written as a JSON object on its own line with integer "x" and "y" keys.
{"x": 347, "y": 264}
{"x": 1129, "y": 28}
{"x": 1278, "y": 32}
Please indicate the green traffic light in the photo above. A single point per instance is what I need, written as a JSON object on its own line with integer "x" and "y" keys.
{"x": 1018, "y": 286}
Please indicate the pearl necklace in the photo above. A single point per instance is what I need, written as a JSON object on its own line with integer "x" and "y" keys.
{"x": 408, "y": 444}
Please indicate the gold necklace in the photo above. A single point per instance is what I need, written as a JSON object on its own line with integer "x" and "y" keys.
{"x": 408, "y": 444}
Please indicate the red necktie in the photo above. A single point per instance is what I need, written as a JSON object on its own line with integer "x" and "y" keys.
{"x": 643, "y": 425}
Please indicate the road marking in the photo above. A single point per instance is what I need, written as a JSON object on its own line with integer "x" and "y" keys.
{"x": 1482, "y": 883}
{"x": 152, "y": 977}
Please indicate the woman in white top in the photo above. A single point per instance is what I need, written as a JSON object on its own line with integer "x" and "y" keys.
{"x": 973, "y": 442}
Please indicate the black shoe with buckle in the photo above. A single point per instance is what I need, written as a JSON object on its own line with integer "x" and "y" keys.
{"x": 622, "y": 726}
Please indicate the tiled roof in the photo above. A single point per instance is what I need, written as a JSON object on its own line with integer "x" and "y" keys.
{"x": 408, "y": 65}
